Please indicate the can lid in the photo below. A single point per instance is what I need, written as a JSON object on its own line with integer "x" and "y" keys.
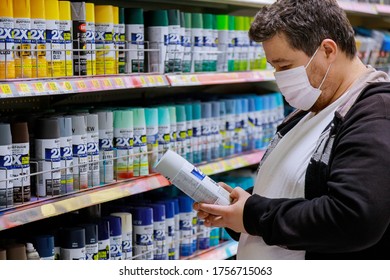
{"x": 251, "y": 104}
{"x": 239, "y": 23}
{"x": 214, "y": 21}
{"x": 104, "y": 14}
{"x": 175, "y": 205}
{"x": 47, "y": 129}
{"x": 22, "y": 9}
{"x": 115, "y": 12}
{"x": 267, "y": 102}
{"x": 79, "y": 126}
{"x": 156, "y": 18}
{"x": 207, "y": 21}
{"x": 196, "y": 111}
{"x": 206, "y": 110}
{"x": 163, "y": 116}
{"x": 126, "y": 221}
{"x": 134, "y": 16}
{"x": 169, "y": 208}
{"x": 7, "y": 9}
{"x": 78, "y": 11}
{"x": 187, "y": 20}
{"x": 222, "y": 108}
{"x": 139, "y": 117}
{"x": 123, "y": 119}
{"x": 91, "y": 233}
{"x": 19, "y": 131}
{"x": 44, "y": 244}
{"x": 66, "y": 11}
{"x": 65, "y": 125}
{"x": 53, "y": 10}
{"x": 73, "y": 237}
{"x": 106, "y": 120}
{"x": 37, "y": 9}
{"x": 230, "y": 106}
{"x": 173, "y": 17}
{"x": 196, "y": 20}
{"x": 245, "y": 105}
{"x": 172, "y": 114}
{"x": 115, "y": 225}
{"x": 142, "y": 216}
{"x": 188, "y": 108}
{"x": 103, "y": 229}
{"x": 90, "y": 12}
{"x": 158, "y": 211}
{"x": 121, "y": 15}
{"x": 92, "y": 121}
{"x": 182, "y": 20}
{"x": 248, "y": 22}
{"x": 170, "y": 164}
{"x": 259, "y": 103}
{"x": 238, "y": 105}
{"x": 151, "y": 116}
{"x": 185, "y": 204}
{"x": 222, "y": 22}
{"x": 215, "y": 109}
{"x": 231, "y": 23}
{"x": 181, "y": 113}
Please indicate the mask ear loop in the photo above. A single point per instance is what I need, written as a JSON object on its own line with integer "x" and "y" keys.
{"x": 326, "y": 75}
{"x": 311, "y": 59}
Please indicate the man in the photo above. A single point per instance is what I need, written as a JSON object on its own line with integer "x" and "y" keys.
{"x": 323, "y": 187}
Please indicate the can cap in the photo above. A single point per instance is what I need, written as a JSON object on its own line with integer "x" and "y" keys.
{"x": 92, "y": 121}
{"x": 78, "y": 11}
{"x": 115, "y": 12}
{"x": 175, "y": 205}
{"x": 173, "y": 17}
{"x": 206, "y": 110}
{"x": 196, "y": 20}
{"x": 238, "y": 105}
{"x": 44, "y": 244}
{"x": 158, "y": 211}
{"x": 19, "y": 131}
{"x": 73, "y": 237}
{"x": 259, "y": 103}
{"x": 21, "y": 9}
{"x": 181, "y": 113}
{"x": 156, "y": 18}
{"x": 66, "y": 11}
{"x": 251, "y": 104}
{"x": 230, "y": 106}
{"x": 163, "y": 116}
{"x": 187, "y": 20}
{"x": 214, "y": 21}
{"x": 91, "y": 233}
{"x": 126, "y": 221}
{"x": 123, "y": 119}
{"x": 37, "y": 8}
{"x": 47, "y": 129}
{"x": 90, "y": 12}
{"x": 222, "y": 108}
{"x": 172, "y": 114}
{"x": 169, "y": 208}
{"x": 239, "y": 23}
{"x": 182, "y": 20}
{"x": 231, "y": 23}
{"x": 142, "y": 216}
{"x": 79, "y": 126}
{"x": 134, "y": 16}
{"x": 65, "y": 125}
{"x": 215, "y": 109}
{"x": 196, "y": 111}
{"x": 151, "y": 117}
{"x": 188, "y": 108}
{"x": 222, "y": 22}
{"x": 115, "y": 225}
{"x": 245, "y": 105}
{"x": 121, "y": 15}
{"x": 6, "y": 8}
{"x": 185, "y": 204}
{"x": 104, "y": 14}
{"x": 103, "y": 229}
{"x": 52, "y": 10}
{"x": 106, "y": 120}
{"x": 139, "y": 117}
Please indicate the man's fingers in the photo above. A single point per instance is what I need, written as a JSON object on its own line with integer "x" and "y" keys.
{"x": 225, "y": 186}
{"x": 213, "y": 209}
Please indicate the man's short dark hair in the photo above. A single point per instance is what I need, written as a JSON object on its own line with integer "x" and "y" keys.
{"x": 306, "y": 23}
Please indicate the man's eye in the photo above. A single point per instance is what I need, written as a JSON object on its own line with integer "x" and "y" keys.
{"x": 284, "y": 67}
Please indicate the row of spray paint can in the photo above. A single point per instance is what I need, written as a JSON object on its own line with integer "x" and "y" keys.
{"x": 87, "y": 39}
{"x": 163, "y": 229}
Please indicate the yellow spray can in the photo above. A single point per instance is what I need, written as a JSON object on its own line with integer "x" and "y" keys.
{"x": 7, "y": 62}
{"x": 66, "y": 36}
{"x": 91, "y": 52}
{"x": 22, "y": 39}
{"x": 115, "y": 11}
{"x": 54, "y": 54}
{"x": 38, "y": 39}
{"x": 104, "y": 41}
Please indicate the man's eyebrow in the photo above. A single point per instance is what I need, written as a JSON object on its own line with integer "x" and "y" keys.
{"x": 278, "y": 60}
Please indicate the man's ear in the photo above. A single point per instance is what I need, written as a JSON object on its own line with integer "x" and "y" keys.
{"x": 331, "y": 49}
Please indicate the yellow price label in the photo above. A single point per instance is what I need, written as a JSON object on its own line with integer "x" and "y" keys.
{"x": 52, "y": 86}
{"x": 24, "y": 88}
{"x": 96, "y": 84}
{"x": 107, "y": 83}
{"x": 194, "y": 79}
{"x": 184, "y": 79}
{"x": 81, "y": 85}
{"x": 39, "y": 87}
{"x": 151, "y": 80}
{"x": 68, "y": 86}
{"x": 119, "y": 82}
{"x": 142, "y": 79}
{"x": 6, "y": 89}
{"x": 160, "y": 80}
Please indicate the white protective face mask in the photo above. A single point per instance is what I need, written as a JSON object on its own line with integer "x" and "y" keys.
{"x": 295, "y": 86}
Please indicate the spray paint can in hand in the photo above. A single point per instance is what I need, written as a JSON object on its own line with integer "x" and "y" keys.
{"x": 6, "y": 172}
{"x": 21, "y": 162}
{"x": 7, "y": 61}
{"x": 47, "y": 151}
{"x": 79, "y": 38}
